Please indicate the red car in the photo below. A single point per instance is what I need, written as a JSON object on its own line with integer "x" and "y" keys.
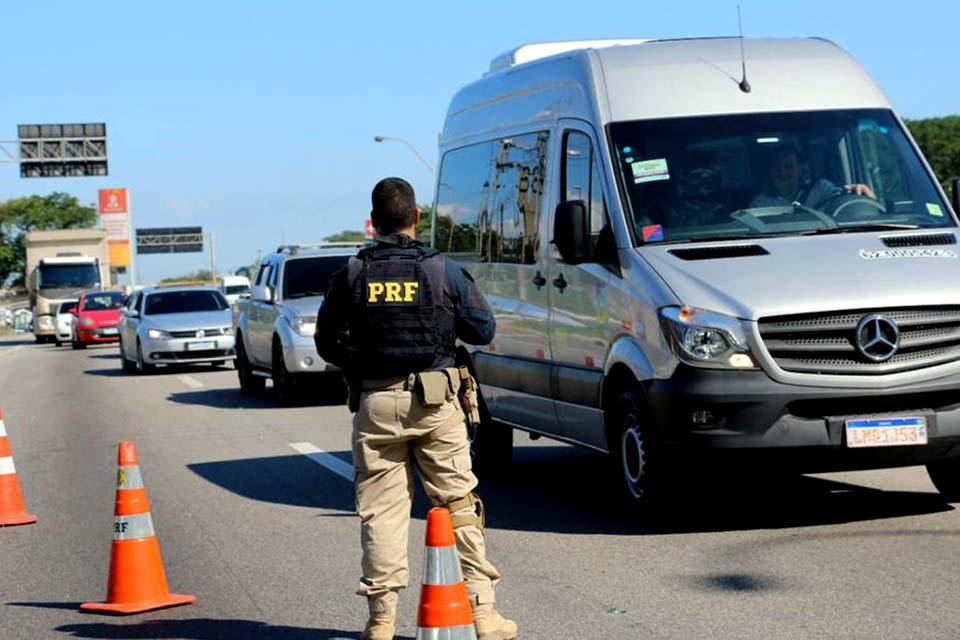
{"x": 96, "y": 317}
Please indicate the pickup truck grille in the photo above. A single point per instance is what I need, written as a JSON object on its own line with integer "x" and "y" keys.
{"x": 193, "y": 333}
{"x": 825, "y": 343}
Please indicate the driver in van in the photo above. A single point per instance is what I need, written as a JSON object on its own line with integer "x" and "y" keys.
{"x": 787, "y": 183}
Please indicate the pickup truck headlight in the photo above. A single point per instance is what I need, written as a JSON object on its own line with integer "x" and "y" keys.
{"x": 706, "y": 339}
{"x": 157, "y": 334}
{"x": 87, "y": 322}
{"x": 303, "y": 325}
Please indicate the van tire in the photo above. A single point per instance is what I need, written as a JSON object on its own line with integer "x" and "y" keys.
{"x": 635, "y": 452}
{"x": 945, "y": 475}
{"x": 284, "y": 385}
{"x": 250, "y": 383}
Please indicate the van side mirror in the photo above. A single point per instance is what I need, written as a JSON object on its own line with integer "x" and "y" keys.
{"x": 570, "y": 233}
{"x": 956, "y": 196}
{"x": 262, "y": 293}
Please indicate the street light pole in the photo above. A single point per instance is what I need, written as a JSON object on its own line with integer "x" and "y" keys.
{"x": 420, "y": 157}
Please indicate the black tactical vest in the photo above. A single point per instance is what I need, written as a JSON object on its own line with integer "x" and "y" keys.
{"x": 401, "y": 321}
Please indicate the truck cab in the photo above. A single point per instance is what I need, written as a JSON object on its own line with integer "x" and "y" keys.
{"x": 274, "y": 327}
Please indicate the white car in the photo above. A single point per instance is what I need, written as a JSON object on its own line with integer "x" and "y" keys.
{"x": 64, "y": 322}
{"x": 174, "y": 326}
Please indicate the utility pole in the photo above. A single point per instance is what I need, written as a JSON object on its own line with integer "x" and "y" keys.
{"x": 213, "y": 259}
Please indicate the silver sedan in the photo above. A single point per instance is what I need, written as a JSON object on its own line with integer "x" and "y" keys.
{"x": 174, "y": 326}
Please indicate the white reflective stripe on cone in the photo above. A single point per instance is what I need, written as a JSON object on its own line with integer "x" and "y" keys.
{"x": 128, "y": 477}
{"x": 132, "y": 527}
{"x": 463, "y": 632}
{"x": 3, "y": 430}
{"x": 6, "y": 467}
{"x": 441, "y": 566}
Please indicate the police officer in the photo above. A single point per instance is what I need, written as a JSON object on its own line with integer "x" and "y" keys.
{"x": 390, "y": 320}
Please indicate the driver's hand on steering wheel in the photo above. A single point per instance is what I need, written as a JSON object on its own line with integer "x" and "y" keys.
{"x": 861, "y": 190}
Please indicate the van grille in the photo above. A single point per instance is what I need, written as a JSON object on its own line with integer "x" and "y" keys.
{"x": 825, "y": 343}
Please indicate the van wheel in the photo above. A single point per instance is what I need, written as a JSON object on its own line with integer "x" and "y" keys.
{"x": 634, "y": 451}
{"x": 250, "y": 384}
{"x": 491, "y": 443}
{"x": 945, "y": 475}
{"x": 283, "y": 384}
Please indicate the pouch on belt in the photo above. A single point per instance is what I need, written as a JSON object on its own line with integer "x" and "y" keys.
{"x": 432, "y": 387}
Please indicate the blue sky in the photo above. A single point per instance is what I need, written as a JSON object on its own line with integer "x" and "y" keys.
{"x": 256, "y": 120}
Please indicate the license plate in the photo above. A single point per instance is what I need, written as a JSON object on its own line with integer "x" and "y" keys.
{"x": 201, "y": 346}
{"x": 109, "y": 331}
{"x": 886, "y": 432}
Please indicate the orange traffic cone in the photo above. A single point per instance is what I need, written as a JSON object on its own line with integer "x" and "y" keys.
{"x": 12, "y": 509}
{"x": 137, "y": 581}
{"x": 444, "y": 605}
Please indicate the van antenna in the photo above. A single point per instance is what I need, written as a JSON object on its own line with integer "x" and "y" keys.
{"x": 744, "y": 85}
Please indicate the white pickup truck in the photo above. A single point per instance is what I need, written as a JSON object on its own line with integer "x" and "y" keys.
{"x": 274, "y": 326}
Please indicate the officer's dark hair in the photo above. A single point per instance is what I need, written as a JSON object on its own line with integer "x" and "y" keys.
{"x": 394, "y": 206}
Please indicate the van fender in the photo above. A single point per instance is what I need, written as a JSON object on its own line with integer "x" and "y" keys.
{"x": 626, "y": 359}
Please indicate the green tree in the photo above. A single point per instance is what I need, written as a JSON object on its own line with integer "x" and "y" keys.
{"x": 347, "y": 236}
{"x": 201, "y": 275}
{"x": 939, "y": 139}
{"x": 426, "y": 223}
{"x": 36, "y": 213}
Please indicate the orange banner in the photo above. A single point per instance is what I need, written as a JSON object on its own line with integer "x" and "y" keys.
{"x": 119, "y": 254}
{"x": 113, "y": 200}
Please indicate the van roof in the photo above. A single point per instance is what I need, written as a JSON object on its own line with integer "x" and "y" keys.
{"x": 661, "y": 79}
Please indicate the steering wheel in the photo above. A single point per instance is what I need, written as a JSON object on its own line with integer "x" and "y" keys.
{"x": 851, "y": 206}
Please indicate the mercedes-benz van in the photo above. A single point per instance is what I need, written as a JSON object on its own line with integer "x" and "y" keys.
{"x": 690, "y": 246}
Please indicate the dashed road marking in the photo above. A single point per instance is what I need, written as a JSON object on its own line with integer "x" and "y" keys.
{"x": 10, "y": 350}
{"x": 191, "y": 382}
{"x": 324, "y": 459}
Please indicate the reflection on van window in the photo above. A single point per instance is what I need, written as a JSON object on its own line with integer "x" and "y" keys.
{"x": 690, "y": 179}
{"x": 490, "y": 199}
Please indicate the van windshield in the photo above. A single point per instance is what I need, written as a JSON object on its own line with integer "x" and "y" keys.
{"x": 729, "y": 177}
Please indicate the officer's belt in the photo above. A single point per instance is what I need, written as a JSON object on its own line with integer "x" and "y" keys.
{"x": 407, "y": 383}
{"x": 388, "y": 384}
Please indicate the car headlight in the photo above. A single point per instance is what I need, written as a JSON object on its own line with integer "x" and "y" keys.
{"x": 87, "y": 322}
{"x": 707, "y": 339}
{"x": 304, "y": 325}
{"x": 157, "y": 334}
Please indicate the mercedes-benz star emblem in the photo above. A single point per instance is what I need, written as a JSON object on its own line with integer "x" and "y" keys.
{"x": 201, "y": 333}
{"x": 878, "y": 338}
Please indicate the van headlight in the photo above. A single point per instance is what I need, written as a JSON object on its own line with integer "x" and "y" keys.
{"x": 706, "y": 339}
{"x": 303, "y": 325}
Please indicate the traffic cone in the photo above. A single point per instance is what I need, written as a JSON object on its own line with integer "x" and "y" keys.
{"x": 444, "y": 605}
{"x": 137, "y": 581}
{"x": 12, "y": 509}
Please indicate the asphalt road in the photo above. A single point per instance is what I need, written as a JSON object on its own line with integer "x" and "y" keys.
{"x": 266, "y": 538}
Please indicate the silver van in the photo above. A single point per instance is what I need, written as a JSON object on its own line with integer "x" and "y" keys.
{"x": 683, "y": 258}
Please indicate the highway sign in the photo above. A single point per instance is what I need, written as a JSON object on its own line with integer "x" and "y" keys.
{"x": 62, "y": 150}
{"x": 170, "y": 240}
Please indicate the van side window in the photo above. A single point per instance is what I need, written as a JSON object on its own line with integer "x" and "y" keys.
{"x": 490, "y": 198}
{"x": 581, "y": 179}
{"x": 263, "y": 274}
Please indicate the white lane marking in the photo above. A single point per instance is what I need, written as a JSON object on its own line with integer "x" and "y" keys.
{"x": 10, "y": 350}
{"x": 328, "y": 460}
{"x": 191, "y": 382}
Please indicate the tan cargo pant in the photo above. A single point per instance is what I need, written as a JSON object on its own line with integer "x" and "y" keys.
{"x": 392, "y": 435}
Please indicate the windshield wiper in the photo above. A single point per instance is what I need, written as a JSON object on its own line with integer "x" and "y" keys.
{"x": 859, "y": 228}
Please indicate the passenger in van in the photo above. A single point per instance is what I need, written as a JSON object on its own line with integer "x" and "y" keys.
{"x": 699, "y": 198}
{"x": 788, "y": 183}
